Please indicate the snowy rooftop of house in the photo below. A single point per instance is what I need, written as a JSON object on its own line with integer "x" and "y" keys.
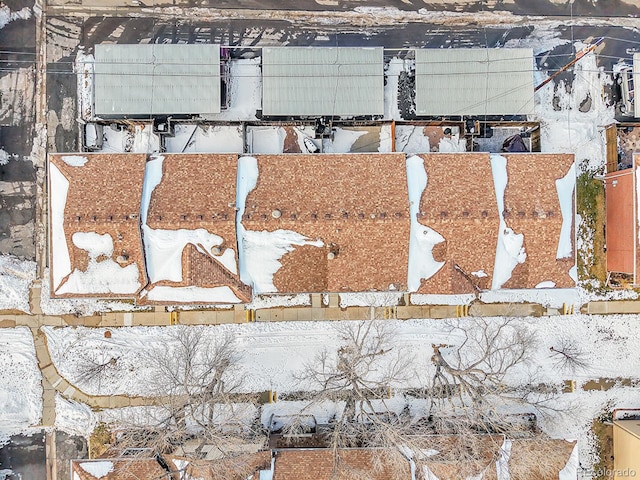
{"x": 95, "y": 243}
{"x": 352, "y": 209}
{"x": 491, "y": 81}
{"x": 439, "y": 457}
{"x": 239, "y": 466}
{"x": 498, "y": 221}
{"x": 157, "y": 79}
{"x": 341, "y": 81}
{"x": 321, "y": 464}
{"x": 117, "y": 469}
{"x": 189, "y": 228}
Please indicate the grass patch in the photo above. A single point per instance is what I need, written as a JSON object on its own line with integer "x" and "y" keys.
{"x": 592, "y": 264}
{"x": 99, "y": 441}
{"x": 603, "y": 431}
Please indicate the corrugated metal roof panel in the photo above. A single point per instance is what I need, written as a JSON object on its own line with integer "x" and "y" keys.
{"x": 636, "y": 81}
{"x": 478, "y": 81}
{"x": 310, "y": 81}
{"x": 157, "y": 79}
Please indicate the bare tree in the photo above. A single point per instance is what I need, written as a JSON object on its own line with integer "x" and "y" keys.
{"x": 195, "y": 385}
{"x": 97, "y": 366}
{"x": 485, "y": 372}
{"x": 568, "y": 355}
{"x": 358, "y": 377}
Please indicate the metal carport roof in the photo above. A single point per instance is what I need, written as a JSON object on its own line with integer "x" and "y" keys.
{"x": 460, "y": 81}
{"x": 336, "y": 81}
{"x": 636, "y": 81}
{"x": 157, "y": 79}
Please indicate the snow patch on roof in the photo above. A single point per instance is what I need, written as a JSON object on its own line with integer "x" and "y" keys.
{"x": 246, "y": 181}
{"x": 502, "y": 463}
{"x": 193, "y": 294}
{"x": 422, "y": 239}
{"x": 97, "y": 469}
{"x": 570, "y": 470}
{"x": 263, "y": 251}
{"x": 152, "y": 178}
{"x": 93, "y": 243}
{"x": 509, "y": 250}
{"x": 74, "y": 160}
{"x": 565, "y": 187}
{"x": 163, "y": 251}
{"x": 105, "y": 277}
{"x": 79, "y": 306}
{"x": 61, "y": 262}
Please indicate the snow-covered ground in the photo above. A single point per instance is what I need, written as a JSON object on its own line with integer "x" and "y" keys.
{"x": 6, "y": 15}
{"x": 20, "y": 383}
{"x": 207, "y": 139}
{"x": 16, "y": 277}
{"x": 272, "y": 354}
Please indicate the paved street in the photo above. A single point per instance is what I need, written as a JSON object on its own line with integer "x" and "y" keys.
{"x": 518, "y": 7}
{"x": 17, "y": 174}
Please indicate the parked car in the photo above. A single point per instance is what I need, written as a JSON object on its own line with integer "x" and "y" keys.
{"x": 624, "y": 80}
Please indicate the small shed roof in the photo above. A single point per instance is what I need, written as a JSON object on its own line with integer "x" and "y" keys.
{"x": 622, "y": 201}
{"x": 306, "y": 81}
{"x": 157, "y": 79}
{"x": 631, "y": 426}
{"x": 474, "y": 81}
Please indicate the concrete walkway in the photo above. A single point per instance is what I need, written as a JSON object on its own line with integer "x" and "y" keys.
{"x": 53, "y": 383}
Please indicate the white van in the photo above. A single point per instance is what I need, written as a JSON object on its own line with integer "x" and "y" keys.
{"x": 624, "y": 79}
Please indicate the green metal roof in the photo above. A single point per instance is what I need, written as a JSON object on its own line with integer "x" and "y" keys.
{"x": 478, "y": 81}
{"x": 157, "y": 79}
{"x": 310, "y": 81}
{"x": 636, "y": 81}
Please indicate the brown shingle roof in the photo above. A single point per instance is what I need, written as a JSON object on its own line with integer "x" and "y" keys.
{"x": 238, "y": 467}
{"x": 123, "y": 469}
{"x": 459, "y": 203}
{"x": 532, "y": 208}
{"x": 199, "y": 191}
{"x": 356, "y": 204}
{"x": 104, "y": 197}
{"x": 346, "y": 464}
{"x": 448, "y": 457}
